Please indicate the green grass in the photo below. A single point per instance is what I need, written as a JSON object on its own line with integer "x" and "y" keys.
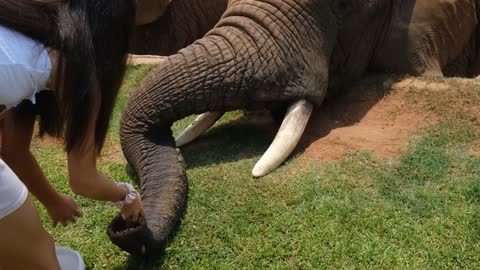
{"x": 420, "y": 211}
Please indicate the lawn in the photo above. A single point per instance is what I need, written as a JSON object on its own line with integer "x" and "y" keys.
{"x": 419, "y": 210}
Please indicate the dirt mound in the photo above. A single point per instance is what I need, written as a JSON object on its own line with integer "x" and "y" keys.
{"x": 367, "y": 118}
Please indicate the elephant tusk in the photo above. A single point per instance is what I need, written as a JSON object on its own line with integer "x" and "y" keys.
{"x": 197, "y": 127}
{"x": 287, "y": 138}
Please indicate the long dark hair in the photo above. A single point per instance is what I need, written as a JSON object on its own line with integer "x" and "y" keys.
{"x": 92, "y": 37}
{"x": 35, "y": 19}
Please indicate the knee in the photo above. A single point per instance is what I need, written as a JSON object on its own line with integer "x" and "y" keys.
{"x": 48, "y": 241}
{"x": 45, "y": 257}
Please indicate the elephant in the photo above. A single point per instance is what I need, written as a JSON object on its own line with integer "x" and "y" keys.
{"x": 169, "y": 26}
{"x": 268, "y": 53}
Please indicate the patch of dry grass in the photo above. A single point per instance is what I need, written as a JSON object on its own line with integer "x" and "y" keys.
{"x": 448, "y": 98}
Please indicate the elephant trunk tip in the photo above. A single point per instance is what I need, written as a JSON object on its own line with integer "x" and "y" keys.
{"x": 137, "y": 240}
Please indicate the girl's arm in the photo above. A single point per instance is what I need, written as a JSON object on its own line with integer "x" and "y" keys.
{"x": 17, "y": 135}
{"x": 86, "y": 181}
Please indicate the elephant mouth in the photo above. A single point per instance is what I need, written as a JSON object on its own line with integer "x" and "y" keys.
{"x": 137, "y": 240}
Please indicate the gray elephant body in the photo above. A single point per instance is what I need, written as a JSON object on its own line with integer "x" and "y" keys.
{"x": 263, "y": 53}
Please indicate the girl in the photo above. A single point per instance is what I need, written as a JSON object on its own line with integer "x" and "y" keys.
{"x": 76, "y": 49}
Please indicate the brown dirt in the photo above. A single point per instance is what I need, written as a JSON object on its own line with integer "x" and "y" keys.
{"x": 112, "y": 152}
{"x": 134, "y": 59}
{"x": 475, "y": 149}
{"x": 45, "y": 140}
{"x": 367, "y": 119}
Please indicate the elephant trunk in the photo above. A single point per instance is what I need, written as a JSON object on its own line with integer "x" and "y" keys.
{"x": 164, "y": 191}
{"x": 170, "y": 92}
{"x": 246, "y": 60}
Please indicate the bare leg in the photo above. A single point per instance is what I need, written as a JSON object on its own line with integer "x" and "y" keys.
{"x": 25, "y": 243}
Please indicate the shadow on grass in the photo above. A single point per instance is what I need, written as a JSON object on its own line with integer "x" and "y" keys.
{"x": 348, "y": 107}
{"x": 243, "y": 138}
{"x": 251, "y": 135}
{"x": 134, "y": 263}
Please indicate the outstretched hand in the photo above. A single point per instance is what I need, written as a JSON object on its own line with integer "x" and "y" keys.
{"x": 133, "y": 212}
{"x": 64, "y": 210}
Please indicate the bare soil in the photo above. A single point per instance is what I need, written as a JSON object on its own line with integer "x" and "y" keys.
{"x": 134, "y": 59}
{"x": 45, "y": 140}
{"x": 112, "y": 152}
{"x": 368, "y": 119}
{"x": 475, "y": 149}
{"x": 379, "y": 116}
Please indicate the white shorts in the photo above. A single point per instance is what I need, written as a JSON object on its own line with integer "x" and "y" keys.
{"x": 13, "y": 192}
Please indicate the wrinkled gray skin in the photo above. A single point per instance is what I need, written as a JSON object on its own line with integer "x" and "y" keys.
{"x": 263, "y": 53}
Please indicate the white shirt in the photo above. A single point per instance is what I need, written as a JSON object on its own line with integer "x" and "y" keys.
{"x": 24, "y": 67}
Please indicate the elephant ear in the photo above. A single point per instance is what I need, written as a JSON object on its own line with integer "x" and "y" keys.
{"x": 149, "y": 11}
{"x": 164, "y": 4}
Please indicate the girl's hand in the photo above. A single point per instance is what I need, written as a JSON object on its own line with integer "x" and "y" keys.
{"x": 64, "y": 210}
{"x": 131, "y": 207}
{"x": 133, "y": 212}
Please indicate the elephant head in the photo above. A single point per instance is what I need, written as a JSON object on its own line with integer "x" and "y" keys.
{"x": 269, "y": 53}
